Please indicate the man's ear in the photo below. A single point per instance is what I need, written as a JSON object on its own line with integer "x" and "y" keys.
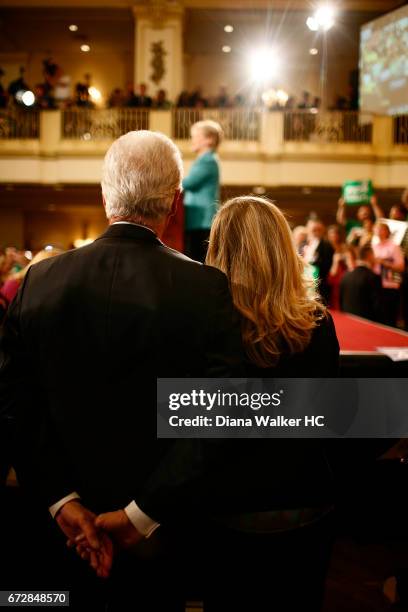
{"x": 175, "y": 203}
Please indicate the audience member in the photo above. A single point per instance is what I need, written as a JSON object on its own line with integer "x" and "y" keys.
{"x": 343, "y": 260}
{"x": 390, "y": 265}
{"x": 361, "y": 289}
{"x": 161, "y": 101}
{"x": 130, "y": 96}
{"x": 143, "y": 100}
{"x": 222, "y": 100}
{"x": 17, "y": 86}
{"x": 319, "y": 253}
{"x": 183, "y": 101}
{"x": 286, "y": 332}
{"x": 83, "y": 328}
{"x": 9, "y": 289}
{"x": 365, "y": 211}
{"x": 116, "y": 99}
{"x": 360, "y": 236}
{"x": 197, "y": 99}
{"x": 305, "y": 101}
{"x": 83, "y": 97}
{"x": 398, "y": 212}
{"x": 300, "y": 238}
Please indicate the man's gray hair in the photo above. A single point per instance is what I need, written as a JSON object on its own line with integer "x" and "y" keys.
{"x": 141, "y": 172}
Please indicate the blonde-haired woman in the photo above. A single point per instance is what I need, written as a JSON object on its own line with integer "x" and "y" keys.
{"x": 12, "y": 284}
{"x": 201, "y": 187}
{"x": 287, "y": 332}
{"x": 285, "y": 328}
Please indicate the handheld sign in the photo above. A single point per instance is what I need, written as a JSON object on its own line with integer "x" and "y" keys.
{"x": 356, "y": 193}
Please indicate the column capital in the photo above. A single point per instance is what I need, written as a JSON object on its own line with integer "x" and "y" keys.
{"x": 158, "y": 11}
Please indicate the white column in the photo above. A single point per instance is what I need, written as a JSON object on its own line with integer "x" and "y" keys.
{"x": 159, "y": 46}
{"x": 272, "y": 126}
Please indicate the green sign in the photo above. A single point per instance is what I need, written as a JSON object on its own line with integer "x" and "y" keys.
{"x": 357, "y": 192}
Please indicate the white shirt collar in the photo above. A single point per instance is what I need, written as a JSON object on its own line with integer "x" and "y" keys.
{"x": 136, "y": 224}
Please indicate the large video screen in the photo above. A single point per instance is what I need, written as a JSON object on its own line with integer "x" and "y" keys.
{"x": 384, "y": 64}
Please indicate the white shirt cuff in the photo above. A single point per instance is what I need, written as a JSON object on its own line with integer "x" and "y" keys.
{"x": 143, "y": 523}
{"x": 58, "y": 505}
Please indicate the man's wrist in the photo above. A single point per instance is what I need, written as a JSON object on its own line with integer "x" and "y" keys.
{"x": 140, "y": 521}
{"x": 55, "y": 508}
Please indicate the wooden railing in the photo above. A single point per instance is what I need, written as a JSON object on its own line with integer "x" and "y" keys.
{"x": 18, "y": 123}
{"x": 331, "y": 126}
{"x": 104, "y": 124}
{"x": 239, "y": 124}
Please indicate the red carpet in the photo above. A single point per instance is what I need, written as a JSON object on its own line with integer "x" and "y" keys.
{"x": 360, "y": 335}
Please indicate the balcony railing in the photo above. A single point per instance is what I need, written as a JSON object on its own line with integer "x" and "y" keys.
{"x": 239, "y": 124}
{"x": 19, "y": 124}
{"x": 105, "y": 124}
{"x": 334, "y": 127}
{"x": 265, "y": 131}
{"x": 401, "y": 130}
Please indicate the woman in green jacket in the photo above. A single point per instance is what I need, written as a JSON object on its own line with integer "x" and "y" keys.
{"x": 201, "y": 188}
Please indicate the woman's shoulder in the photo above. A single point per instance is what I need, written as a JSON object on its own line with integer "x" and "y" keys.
{"x": 325, "y": 327}
{"x": 324, "y": 344}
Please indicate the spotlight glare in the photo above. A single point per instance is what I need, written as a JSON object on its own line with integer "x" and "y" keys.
{"x": 73, "y": 27}
{"x": 226, "y": 49}
{"x": 85, "y": 48}
{"x": 95, "y": 93}
{"x": 313, "y": 51}
{"x": 325, "y": 17}
{"x": 312, "y": 24}
{"x": 28, "y": 98}
{"x": 282, "y": 97}
{"x": 229, "y": 29}
{"x": 263, "y": 64}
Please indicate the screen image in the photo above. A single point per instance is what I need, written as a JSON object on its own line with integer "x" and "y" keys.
{"x": 384, "y": 64}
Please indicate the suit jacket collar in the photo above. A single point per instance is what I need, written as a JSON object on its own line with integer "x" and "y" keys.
{"x": 134, "y": 232}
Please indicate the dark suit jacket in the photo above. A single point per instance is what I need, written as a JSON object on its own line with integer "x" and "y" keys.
{"x": 82, "y": 345}
{"x": 323, "y": 260}
{"x": 360, "y": 293}
{"x": 142, "y": 101}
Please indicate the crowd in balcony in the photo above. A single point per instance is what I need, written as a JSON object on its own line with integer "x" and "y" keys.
{"x": 55, "y": 91}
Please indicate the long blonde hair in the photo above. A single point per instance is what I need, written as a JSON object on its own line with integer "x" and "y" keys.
{"x": 251, "y": 242}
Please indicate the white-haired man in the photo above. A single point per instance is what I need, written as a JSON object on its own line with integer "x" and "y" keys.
{"x": 83, "y": 344}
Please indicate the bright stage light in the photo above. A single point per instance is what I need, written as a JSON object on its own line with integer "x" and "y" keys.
{"x": 313, "y": 51}
{"x": 264, "y": 64}
{"x": 85, "y": 48}
{"x": 229, "y": 29}
{"x": 28, "y": 98}
{"x": 226, "y": 49}
{"x": 312, "y": 24}
{"x": 73, "y": 27}
{"x": 282, "y": 97}
{"x": 325, "y": 17}
{"x": 95, "y": 94}
{"x": 271, "y": 97}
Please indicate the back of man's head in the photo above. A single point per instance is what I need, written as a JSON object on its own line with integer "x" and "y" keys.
{"x": 141, "y": 173}
{"x": 366, "y": 254}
